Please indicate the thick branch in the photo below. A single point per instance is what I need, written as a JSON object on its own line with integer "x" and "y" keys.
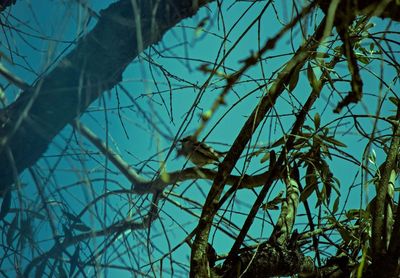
{"x": 199, "y": 263}
{"x": 268, "y": 261}
{"x": 287, "y": 217}
{"x": 95, "y": 65}
{"x": 378, "y": 225}
{"x": 383, "y": 9}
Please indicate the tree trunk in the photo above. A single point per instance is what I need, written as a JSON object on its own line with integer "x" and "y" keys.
{"x": 96, "y": 64}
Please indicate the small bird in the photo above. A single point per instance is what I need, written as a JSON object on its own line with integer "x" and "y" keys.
{"x": 198, "y": 152}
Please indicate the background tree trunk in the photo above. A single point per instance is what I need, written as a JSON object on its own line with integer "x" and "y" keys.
{"x": 96, "y": 64}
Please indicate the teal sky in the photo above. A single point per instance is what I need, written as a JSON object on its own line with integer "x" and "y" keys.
{"x": 127, "y": 123}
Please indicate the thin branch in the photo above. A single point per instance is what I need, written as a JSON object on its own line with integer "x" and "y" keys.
{"x": 199, "y": 263}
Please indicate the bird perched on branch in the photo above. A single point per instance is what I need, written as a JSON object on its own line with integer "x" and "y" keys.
{"x": 198, "y": 152}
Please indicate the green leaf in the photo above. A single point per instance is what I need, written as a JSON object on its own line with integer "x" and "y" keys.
{"x": 294, "y": 78}
{"x": 371, "y": 46}
{"x": 306, "y": 192}
{"x": 317, "y": 121}
{"x": 300, "y": 143}
{"x": 332, "y": 140}
{"x": 338, "y": 49}
{"x": 310, "y": 74}
{"x": 164, "y": 175}
{"x": 395, "y": 100}
{"x": 345, "y": 234}
{"x": 325, "y": 149}
{"x": 311, "y": 183}
{"x": 335, "y": 205}
{"x": 325, "y": 194}
{"x": 369, "y": 25}
{"x": 273, "y": 204}
{"x": 320, "y": 197}
{"x": 372, "y": 157}
{"x": 363, "y": 59}
{"x": 278, "y": 142}
{"x": 312, "y": 79}
{"x": 265, "y": 157}
{"x": 200, "y": 26}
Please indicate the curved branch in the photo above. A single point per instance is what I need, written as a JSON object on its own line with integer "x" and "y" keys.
{"x": 144, "y": 186}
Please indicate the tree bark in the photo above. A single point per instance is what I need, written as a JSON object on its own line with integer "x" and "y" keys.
{"x": 96, "y": 64}
{"x": 267, "y": 261}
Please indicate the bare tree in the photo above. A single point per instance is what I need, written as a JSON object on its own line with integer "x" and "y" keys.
{"x": 289, "y": 196}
